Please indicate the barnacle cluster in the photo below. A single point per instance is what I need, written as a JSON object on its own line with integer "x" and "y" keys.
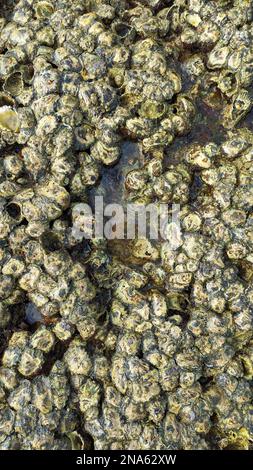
{"x": 126, "y": 344}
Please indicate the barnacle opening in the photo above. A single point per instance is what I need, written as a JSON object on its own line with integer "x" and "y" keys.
{"x": 123, "y": 30}
{"x": 14, "y": 210}
{"x": 50, "y": 242}
{"x": 14, "y": 84}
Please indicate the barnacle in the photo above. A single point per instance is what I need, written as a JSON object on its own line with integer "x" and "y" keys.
{"x": 14, "y": 84}
{"x": 9, "y": 119}
{"x": 126, "y": 344}
{"x": 44, "y": 9}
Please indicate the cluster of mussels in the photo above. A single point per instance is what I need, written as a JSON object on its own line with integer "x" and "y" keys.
{"x": 126, "y": 345}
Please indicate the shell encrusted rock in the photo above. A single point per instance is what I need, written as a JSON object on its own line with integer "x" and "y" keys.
{"x": 126, "y": 344}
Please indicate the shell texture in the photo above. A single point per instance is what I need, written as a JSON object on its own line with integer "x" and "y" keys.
{"x": 126, "y": 344}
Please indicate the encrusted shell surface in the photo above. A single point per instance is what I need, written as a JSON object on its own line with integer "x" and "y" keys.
{"x": 126, "y": 344}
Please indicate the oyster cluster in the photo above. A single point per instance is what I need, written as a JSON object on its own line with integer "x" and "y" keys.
{"x": 126, "y": 344}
